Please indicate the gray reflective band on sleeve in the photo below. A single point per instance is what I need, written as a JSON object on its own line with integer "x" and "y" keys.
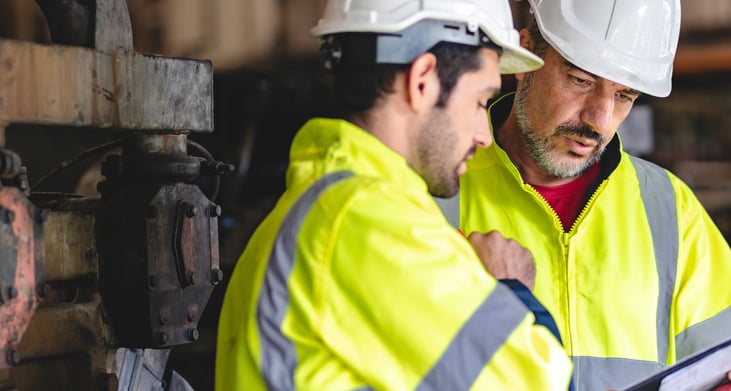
{"x": 278, "y": 357}
{"x": 658, "y": 197}
{"x": 600, "y": 373}
{"x": 475, "y": 344}
{"x": 704, "y": 334}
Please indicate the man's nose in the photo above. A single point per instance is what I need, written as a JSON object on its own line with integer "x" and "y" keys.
{"x": 598, "y": 111}
{"x": 483, "y": 136}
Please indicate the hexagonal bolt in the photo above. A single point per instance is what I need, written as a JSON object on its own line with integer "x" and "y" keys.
{"x": 192, "y": 316}
{"x": 12, "y": 357}
{"x": 191, "y": 210}
{"x": 223, "y": 168}
{"x": 216, "y": 276}
{"x": 164, "y": 315}
{"x": 192, "y": 278}
{"x": 193, "y": 334}
{"x": 214, "y": 210}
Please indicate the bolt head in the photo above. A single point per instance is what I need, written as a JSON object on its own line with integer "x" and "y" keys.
{"x": 192, "y": 316}
{"x": 12, "y": 357}
{"x": 193, "y": 334}
{"x": 191, "y": 210}
{"x": 215, "y": 210}
{"x": 216, "y": 276}
{"x": 164, "y": 315}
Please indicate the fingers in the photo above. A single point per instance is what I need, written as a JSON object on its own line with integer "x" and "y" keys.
{"x": 504, "y": 258}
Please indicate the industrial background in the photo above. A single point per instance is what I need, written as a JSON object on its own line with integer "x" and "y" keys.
{"x": 141, "y": 142}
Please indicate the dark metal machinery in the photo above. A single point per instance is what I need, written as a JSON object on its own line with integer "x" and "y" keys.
{"x": 158, "y": 240}
{"x": 94, "y": 292}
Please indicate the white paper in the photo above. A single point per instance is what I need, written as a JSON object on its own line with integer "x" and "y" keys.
{"x": 704, "y": 374}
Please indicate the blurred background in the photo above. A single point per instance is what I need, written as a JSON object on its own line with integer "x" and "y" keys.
{"x": 268, "y": 82}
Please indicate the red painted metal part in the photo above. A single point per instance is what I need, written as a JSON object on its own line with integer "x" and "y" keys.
{"x": 21, "y": 225}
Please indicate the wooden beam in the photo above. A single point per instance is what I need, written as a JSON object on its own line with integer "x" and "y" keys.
{"x": 66, "y": 85}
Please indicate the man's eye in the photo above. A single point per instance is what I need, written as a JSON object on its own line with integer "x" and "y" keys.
{"x": 579, "y": 80}
{"x": 627, "y": 98}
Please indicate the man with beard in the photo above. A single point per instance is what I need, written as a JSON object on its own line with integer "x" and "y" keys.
{"x": 628, "y": 262}
{"x": 355, "y": 280}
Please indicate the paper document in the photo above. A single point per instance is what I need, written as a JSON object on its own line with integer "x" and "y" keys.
{"x": 702, "y": 371}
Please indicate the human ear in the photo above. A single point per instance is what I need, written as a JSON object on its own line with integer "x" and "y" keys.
{"x": 423, "y": 82}
{"x": 526, "y": 42}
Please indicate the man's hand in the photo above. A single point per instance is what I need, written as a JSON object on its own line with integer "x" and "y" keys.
{"x": 725, "y": 387}
{"x": 504, "y": 258}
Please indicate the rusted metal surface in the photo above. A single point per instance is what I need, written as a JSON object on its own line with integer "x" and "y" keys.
{"x": 106, "y": 86}
{"x": 70, "y": 246}
{"x": 158, "y": 269}
{"x": 177, "y": 97}
{"x": 76, "y": 327}
{"x": 62, "y": 373}
{"x": 21, "y": 269}
{"x": 41, "y": 84}
{"x": 113, "y": 30}
{"x": 158, "y": 158}
{"x": 158, "y": 261}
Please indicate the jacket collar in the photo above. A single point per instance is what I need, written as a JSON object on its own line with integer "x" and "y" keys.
{"x": 325, "y": 145}
{"x": 500, "y": 109}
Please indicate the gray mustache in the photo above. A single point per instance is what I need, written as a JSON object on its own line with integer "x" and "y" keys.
{"x": 580, "y": 131}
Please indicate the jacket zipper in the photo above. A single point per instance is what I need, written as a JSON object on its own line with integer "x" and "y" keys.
{"x": 566, "y": 242}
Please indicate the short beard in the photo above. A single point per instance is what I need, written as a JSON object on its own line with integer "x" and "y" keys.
{"x": 434, "y": 147}
{"x": 541, "y": 148}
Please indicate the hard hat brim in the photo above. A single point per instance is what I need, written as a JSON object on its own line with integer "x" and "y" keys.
{"x": 516, "y": 59}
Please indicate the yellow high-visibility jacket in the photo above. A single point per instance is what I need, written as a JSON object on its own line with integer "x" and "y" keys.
{"x": 639, "y": 281}
{"x": 356, "y": 281}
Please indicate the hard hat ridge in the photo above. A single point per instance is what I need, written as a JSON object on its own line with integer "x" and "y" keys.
{"x": 399, "y": 48}
{"x": 408, "y": 28}
{"x": 630, "y": 42}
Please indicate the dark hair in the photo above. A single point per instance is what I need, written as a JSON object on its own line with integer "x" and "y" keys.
{"x": 357, "y": 87}
{"x": 539, "y": 43}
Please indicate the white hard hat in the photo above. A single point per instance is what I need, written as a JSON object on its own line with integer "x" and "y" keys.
{"x": 630, "y": 42}
{"x": 408, "y": 28}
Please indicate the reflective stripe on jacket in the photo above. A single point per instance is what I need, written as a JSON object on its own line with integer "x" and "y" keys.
{"x": 637, "y": 283}
{"x": 356, "y": 281}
